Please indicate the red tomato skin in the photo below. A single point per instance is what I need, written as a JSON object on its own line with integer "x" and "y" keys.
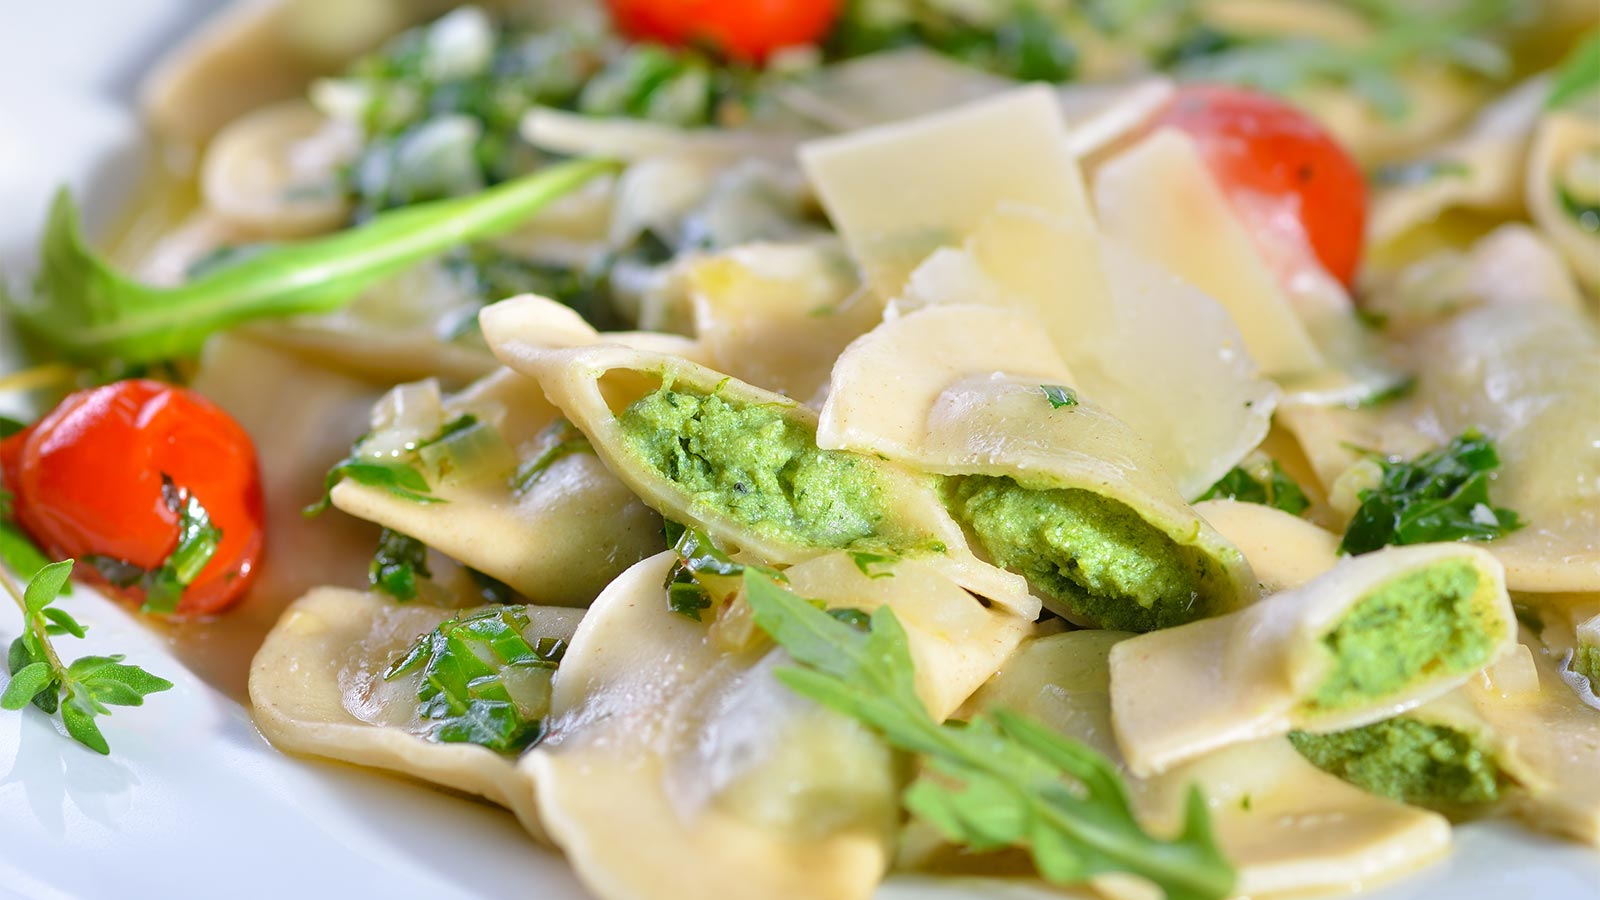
{"x": 87, "y": 480}
{"x": 1254, "y": 143}
{"x": 748, "y": 30}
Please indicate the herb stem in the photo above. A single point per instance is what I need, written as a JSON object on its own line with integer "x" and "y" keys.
{"x": 34, "y": 623}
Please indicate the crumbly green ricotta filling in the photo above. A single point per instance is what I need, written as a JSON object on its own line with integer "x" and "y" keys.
{"x": 759, "y": 466}
{"x": 1426, "y": 623}
{"x": 1409, "y": 760}
{"x": 1091, "y": 553}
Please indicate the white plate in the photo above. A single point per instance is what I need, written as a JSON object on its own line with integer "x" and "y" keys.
{"x": 193, "y": 803}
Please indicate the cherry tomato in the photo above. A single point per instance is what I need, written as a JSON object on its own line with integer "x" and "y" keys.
{"x": 743, "y": 29}
{"x": 88, "y": 479}
{"x": 1260, "y": 148}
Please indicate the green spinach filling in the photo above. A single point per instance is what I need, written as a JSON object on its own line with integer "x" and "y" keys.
{"x": 1093, "y": 554}
{"x": 1426, "y": 623}
{"x": 760, "y": 466}
{"x": 1405, "y": 759}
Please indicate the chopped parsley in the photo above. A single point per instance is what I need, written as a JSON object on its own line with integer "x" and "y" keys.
{"x": 397, "y": 563}
{"x": 1442, "y": 495}
{"x": 867, "y": 561}
{"x": 1261, "y": 481}
{"x": 163, "y": 586}
{"x": 465, "y": 666}
{"x": 399, "y": 476}
{"x": 1059, "y": 395}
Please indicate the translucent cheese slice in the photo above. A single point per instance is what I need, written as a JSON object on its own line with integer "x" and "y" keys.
{"x": 559, "y": 540}
{"x": 1160, "y": 199}
{"x": 899, "y": 191}
{"x": 1155, "y": 352}
{"x": 777, "y": 315}
{"x": 1285, "y": 825}
{"x": 672, "y": 771}
{"x": 1250, "y": 675}
{"x": 316, "y": 687}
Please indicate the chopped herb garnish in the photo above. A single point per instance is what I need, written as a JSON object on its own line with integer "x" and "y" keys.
{"x": 78, "y": 692}
{"x": 564, "y": 440}
{"x": 1442, "y": 495}
{"x": 163, "y": 586}
{"x": 999, "y": 780}
{"x": 866, "y": 561}
{"x": 397, "y": 563}
{"x": 397, "y": 475}
{"x": 10, "y": 426}
{"x": 463, "y": 665}
{"x": 1263, "y": 482}
{"x": 1059, "y": 396}
{"x": 697, "y": 556}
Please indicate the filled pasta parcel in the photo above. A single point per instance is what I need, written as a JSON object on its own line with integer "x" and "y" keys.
{"x": 1375, "y": 636}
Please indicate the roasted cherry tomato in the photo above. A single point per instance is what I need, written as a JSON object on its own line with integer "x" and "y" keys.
{"x": 100, "y": 477}
{"x": 743, "y": 29}
{"x": 1260, "y": 148}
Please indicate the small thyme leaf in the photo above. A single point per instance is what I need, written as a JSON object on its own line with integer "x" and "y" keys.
{"x": 78, "y": 692}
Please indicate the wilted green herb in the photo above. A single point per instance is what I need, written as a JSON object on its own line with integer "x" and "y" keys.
{"x": 1266, "y": 484}
{"x": 397, "y": 563}
{"x": 1018, "y": 39}
{"x": 163, "y": 586}
{"x": 1059, "y": 396}
{"x": 78, "y": 692}
{"x": 1002, "y": 780}
{"x": 462, "y": 664}
{"x": 867, "y": 561}
{"x": 1442, "y": 495}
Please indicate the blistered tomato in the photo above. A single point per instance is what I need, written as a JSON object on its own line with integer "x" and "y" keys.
{"x": 750, "y": 30}
{"x": 105, "y": 476}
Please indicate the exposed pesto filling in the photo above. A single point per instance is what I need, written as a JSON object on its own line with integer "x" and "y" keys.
{"x": 1424, "y": 624}
{"x": 1088, "y": 552}
{"x": 1586, "y": 662}
{"x": 1408, "y": 760}
{"x": 759, "y": 466}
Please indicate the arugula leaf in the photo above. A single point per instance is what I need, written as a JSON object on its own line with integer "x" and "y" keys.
{"x": 79, "y": 692}
{"x": 86, "y": 310}
{"x": 1579, "y": 74}
{"x": 1003, "y": 779}
{"x": 1059, "y": 396}
{"x": 1265, "y": 484}
{"x": 462, "y": 663}
{"x": 1442, "y": 495}
{"x": 396, "y": 564}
